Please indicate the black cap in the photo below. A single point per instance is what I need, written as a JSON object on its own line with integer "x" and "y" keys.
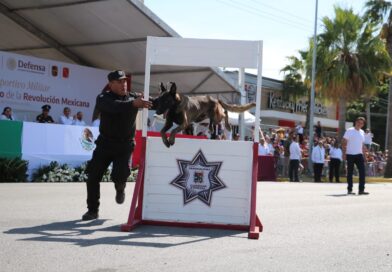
{"x": 46, "y": 107}
{"x": 116, "y": 75}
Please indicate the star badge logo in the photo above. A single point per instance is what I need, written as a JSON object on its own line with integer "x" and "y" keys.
{"x": 198, "y": 178}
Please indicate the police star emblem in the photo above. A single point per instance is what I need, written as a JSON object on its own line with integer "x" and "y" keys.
{"x": 198, "y": 178}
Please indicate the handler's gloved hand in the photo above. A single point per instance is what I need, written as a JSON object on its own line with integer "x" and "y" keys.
{"x": 140, "y": 103}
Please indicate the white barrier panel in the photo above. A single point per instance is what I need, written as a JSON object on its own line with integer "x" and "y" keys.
{"x": 43, "y": 143}
{"x": 230, "y": 196}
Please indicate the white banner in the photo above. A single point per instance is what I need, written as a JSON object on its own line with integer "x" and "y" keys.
{"x": 27, "y": 83}
{"x": 43, "y": 143}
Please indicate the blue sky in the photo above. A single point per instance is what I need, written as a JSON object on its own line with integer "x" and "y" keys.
{"x": 283, "y": 25}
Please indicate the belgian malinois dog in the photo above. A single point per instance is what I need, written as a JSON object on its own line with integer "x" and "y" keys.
{"x": 183, "y": 110}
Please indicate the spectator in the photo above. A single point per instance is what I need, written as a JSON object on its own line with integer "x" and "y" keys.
{"x": 66, "y": 118}
{"x": 44, "y": 117}
{"x": 368, "y": 139}
{"x": 295, "y": 158}
{"x": 263, "y": 148}
{"x": 78, "y": 120}
{"x": 300, "y": 132}
{"x": 236, "y": 137}
{"x": 97, "y": 121}
{"x": 286, "y": 145}
{"x": 318, "y": 158}
{"x": 335, "y": 157}
{"x": 318, "y": 129}
{"x": 353, "y": 151}
{"x": 7, "y": 114}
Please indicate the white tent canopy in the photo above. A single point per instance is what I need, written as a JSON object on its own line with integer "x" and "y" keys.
{"x": 108, "y": 34}
{"x": 249, "y": 119}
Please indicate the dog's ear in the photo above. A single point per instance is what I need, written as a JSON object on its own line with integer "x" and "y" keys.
{"x": 162, "y": 88}
{"x": 173, "y": 88}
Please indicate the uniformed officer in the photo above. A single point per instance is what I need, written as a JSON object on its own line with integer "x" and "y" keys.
{"x": 118, "y": 110}
{"x": 44, "y": 117}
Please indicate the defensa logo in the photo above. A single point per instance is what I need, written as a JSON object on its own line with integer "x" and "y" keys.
{"x": 198, "y": 179}
{"x": 28, "y": 66}
{"x": 87, "y": 140}
{"x": 25, "y": 66}
{"x": 11, "y": 64}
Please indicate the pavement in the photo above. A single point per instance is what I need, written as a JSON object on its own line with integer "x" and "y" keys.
{"x": 307, "y": 227}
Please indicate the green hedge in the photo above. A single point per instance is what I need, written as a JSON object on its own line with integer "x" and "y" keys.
{"x": 13, "y": 170}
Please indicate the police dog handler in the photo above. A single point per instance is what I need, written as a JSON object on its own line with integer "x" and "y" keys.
{"x": 115, "y": 144}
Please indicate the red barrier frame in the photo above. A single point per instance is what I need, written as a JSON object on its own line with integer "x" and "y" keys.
{"x": 135, "y": 213}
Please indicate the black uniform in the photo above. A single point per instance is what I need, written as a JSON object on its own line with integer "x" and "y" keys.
{"x": 114, "y": 144}
{"x": 42, "y": 119}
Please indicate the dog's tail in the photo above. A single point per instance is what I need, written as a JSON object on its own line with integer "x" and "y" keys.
{"x": 237, "y": 108}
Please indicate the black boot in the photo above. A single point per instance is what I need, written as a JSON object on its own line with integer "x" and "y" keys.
{"x": 120, "y": 194}
{"x": 90, "y": 215}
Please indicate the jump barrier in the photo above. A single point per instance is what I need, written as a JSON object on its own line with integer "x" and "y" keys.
{"x": 198, "y": 183}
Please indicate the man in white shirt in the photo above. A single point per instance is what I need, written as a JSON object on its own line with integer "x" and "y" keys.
{"x": 335, "y": 157}
{"x": 263, "y": 148}
{"x": 66, "y": 118}
{"x": 78, "y": 121}
{"x": 368, "y": 138}
{"x": 300, "y": 132}
{"x": 295, "y": 158}
{"x": 353, "y": 151}
{"x": 318, "y": 157}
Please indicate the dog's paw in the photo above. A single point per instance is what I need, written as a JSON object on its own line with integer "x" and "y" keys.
{"x": 171, "y": 141}
{"x": 166, "y": 143}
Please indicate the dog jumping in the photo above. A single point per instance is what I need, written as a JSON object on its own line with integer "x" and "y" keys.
{"x": 184, "y": 110}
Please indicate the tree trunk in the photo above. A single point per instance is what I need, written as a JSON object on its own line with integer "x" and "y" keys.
{"x": 388, "y": 168}
{"x": 388, "y": 138}
{"x": 342, "y": 117}
{"x": 307, "y": 120}
{"x": 368, "y": 123}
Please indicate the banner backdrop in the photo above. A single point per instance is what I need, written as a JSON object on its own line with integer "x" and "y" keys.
{"x": 43, "y": 143}
{"x": 27, "y": 83}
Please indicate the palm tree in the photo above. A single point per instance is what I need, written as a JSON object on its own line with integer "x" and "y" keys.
{"x": 350, "y": 60}
{"x": 380, "y": 12}
{"x": 296, "y": 81}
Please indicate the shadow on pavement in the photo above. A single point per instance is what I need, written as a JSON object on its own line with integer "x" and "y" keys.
{"x": 340, "y": 195}
{"x": 81, "y": 233}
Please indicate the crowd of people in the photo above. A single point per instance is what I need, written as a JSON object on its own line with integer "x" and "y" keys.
{"x": 290, "y": 147}
{"x": 65, "y": 119}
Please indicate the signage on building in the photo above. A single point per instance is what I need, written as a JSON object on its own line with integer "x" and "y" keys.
{"x": 277, "y": 102}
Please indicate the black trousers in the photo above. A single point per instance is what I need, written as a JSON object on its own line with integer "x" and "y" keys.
{"x": 107, "y": 152}
{"x": 293, "y": 170}
{"x": 359, "y": 161}
{"x": 317, "y": 169}
{"x": 334, "y": 167}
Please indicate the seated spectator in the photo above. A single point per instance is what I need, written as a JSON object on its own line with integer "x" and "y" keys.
{"x": 7, "y": 114}
{"x": 44, "y": 117}
{"x": 78, "y": 119}
{"x": 66, "y": 118}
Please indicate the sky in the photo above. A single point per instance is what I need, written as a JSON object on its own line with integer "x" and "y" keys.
{"x": 285, "y": 26}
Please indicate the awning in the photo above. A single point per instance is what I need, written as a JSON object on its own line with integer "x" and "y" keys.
{"x": 107, "y": 34}
{"x": 325, "y": 122}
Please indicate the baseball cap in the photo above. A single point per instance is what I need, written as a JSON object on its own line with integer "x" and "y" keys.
{"x": 116, "y": 75}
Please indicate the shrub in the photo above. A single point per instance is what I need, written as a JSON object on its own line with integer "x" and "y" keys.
{"x": 55, "y": 172}
{"x": 13, "y": 170}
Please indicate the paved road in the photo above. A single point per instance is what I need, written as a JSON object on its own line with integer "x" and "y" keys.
{"x": 307, "y": 227}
